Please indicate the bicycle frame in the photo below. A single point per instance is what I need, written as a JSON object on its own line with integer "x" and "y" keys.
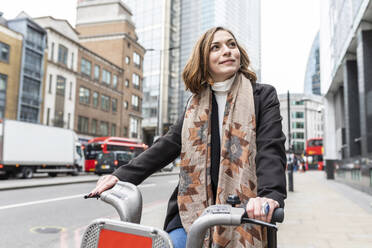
{"x": 127, "y": 200}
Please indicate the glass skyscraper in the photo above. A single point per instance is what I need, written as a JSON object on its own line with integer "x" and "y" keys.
{"x": 157, "y": 26}
{"x": 168, "y": 29}
{"x": 312, "y": 75}
{"x": 242, "y": 17}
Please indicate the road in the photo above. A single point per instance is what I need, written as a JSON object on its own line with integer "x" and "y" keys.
{"x": 56, "y": 216}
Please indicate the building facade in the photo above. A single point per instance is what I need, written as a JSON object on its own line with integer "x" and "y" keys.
{"x": 158, "y": 28}
{"x": 30, "y": 94}
{"x": 60, "y": 85}
{"x": 110, "y": 33}
{"x": 10, "y": 70}
{"x": 305, "y": 118}
{"x": 346, "y": 46}
{"x": 312, "y": 74}
{"x": 242, "y": 17}
{"x": 99, "y": 95}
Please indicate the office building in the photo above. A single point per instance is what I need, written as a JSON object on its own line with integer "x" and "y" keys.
{"x": 312, "y": 74}
{"x": 306, "y": 119}
{"x": 242, "y": 17}
{"x": 158, "y": 28}
{"x": 346, "y": 46}
{"x": 30, "y": 94}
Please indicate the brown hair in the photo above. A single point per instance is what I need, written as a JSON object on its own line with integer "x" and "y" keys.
{"x": 196, "y": 69}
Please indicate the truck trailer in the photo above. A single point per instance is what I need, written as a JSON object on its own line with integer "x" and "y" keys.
{"x": 28, "y": 148}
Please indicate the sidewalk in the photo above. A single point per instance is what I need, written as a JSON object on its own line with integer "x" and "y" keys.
{"x": 323, "y": 213}
{"x": 8, "y": 184}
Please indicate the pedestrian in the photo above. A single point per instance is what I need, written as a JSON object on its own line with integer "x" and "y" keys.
{"x": 230, "y": 140}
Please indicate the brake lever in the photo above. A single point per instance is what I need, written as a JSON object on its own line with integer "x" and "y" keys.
{"x": 93, "y": 196}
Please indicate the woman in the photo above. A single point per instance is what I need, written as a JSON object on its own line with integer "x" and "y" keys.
{"x": 230, "y": 140}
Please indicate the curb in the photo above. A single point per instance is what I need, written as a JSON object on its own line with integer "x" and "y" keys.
{"x": 70, "y": 180}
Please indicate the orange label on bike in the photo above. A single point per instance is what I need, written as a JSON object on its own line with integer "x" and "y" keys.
{"x": 114, "y": 239}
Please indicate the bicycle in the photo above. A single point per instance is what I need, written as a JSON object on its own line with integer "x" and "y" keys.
{"x": 127, "y": 200}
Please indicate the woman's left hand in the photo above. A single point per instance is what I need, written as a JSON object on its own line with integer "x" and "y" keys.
{"x": 256, "y": 208}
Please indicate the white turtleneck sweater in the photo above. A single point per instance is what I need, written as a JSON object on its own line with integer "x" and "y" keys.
{"x": 220, "y": 90}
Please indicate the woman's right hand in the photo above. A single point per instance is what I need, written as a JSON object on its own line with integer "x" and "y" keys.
{"x": 104, "y": 183}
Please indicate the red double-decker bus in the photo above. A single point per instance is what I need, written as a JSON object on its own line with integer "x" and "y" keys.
{"x": 107, "y": 144}
{"x": 314, "y": 153}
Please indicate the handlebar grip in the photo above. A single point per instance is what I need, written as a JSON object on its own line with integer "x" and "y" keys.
{"x": 278, "y": 215}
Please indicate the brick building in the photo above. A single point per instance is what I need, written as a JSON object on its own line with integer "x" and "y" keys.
{"x": 110, "y": 33}
{"x": 99, "y": 94}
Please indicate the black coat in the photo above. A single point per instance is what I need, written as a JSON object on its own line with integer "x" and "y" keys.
{"x": 270, "y": 158}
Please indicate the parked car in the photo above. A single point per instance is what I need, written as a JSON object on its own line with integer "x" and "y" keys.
{"x": 108, "y": 162}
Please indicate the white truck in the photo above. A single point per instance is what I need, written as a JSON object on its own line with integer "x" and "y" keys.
{"x": 27, "y": 148}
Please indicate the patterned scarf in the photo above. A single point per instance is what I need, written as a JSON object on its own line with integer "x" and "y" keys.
{"x": 237, "y": 173}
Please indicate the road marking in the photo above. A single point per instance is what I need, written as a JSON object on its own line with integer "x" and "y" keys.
{"x": 58, "y": 199}
{"x": 41, "y": 201}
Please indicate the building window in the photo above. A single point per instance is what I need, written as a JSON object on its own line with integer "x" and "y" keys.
{"x": 31, "y": 92}
{"x": 298, "y": 135}
{"x": 29, "y": 114}
{"x": 72, "y": 61}
{"x": 52, "y": 52}
{"x": 50, "y": 84}
{"x": 62, "y": 54}
{"x": 86, "y": 67}
{"x": 95, "y": 99}
{"x": 114, "y": 105}
{"x": 299, "y": 146}
{"x": 295, "y": 102}
{"x": 4, "y": 52}
{"x": 61, "y": 86}
{"x": 3, "y": 81}
{"x": 105, "y": 103}
{"x": 68, "y": 120}
{"x": 125, "y": 132}
{"x": 32, "y": 64}
{"x": 133, "y": 127}
{"x": 48, "y": 116}
{"x": 136, "y": 81}
{"x": 84, "y": 95}
{"x": 104, "y": 128}
{"x": 298, "y": 125}
{"x": 94, "y": 126}
{"x": 298, "y": 115}
{"x": 58, "y": 119}
{"x": 96, "y": 72}
{"x": 34, "y": 38}
{"x": 135, "y": 102}
{"x": 113, "y": 129}
{"x": 83, "y": 124}
{"x": 127, "y": 83}
{"x": 115, "y": 81}
{"x": 125, "y": 103}
{"x": 137, "y": 60}
{"x": 106, "y": 77}
{"x": 70, "y": 92}
{"x": 127, "y": 60}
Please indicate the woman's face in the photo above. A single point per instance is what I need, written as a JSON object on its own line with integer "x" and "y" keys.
{"x": 224, "y": 56}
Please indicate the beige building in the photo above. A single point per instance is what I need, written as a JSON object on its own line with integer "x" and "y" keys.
{"x": 10, "y": 70}
{"x": 110, "y": 33}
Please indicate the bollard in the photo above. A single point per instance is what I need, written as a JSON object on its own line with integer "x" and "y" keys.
{"x": 290, "y": 177}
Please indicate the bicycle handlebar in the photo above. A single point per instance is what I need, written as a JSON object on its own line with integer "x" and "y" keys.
{"x": 224, "y": 215}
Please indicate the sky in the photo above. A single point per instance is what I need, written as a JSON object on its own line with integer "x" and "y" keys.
{"x": 288, "y": 28}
